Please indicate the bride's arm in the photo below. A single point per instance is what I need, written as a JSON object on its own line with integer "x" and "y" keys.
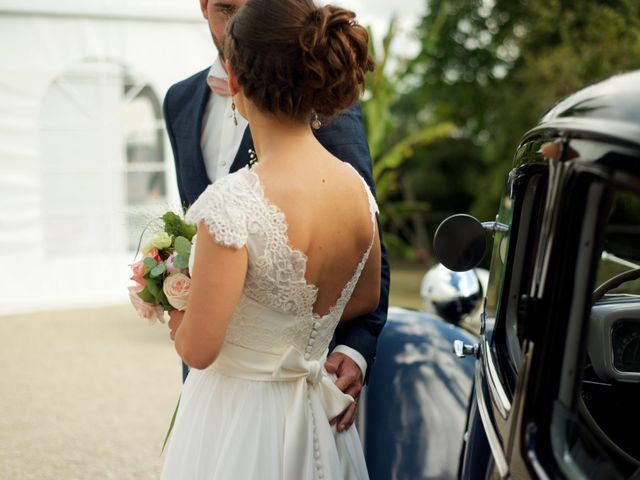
{"x": 217, "y": 278}
{"x": 366, "y": 295}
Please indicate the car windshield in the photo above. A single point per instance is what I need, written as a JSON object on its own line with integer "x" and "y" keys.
{"x": 621, "y": 249}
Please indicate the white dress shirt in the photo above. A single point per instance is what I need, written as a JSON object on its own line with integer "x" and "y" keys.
{"x": 220, "y": 137}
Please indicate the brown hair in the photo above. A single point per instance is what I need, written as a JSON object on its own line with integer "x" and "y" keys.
{"x": 292, "y": 57}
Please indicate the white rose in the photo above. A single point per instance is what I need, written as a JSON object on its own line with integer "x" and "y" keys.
{"x": 176, "y": 287}
{"x": 160, "y": 240}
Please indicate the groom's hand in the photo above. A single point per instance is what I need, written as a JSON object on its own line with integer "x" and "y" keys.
{"x": 349, "y": 381}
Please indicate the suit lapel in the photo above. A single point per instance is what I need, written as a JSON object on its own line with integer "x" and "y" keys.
{"x": 195, "y": 173}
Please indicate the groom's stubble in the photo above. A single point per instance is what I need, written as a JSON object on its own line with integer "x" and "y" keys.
{"x": 218, "y": 13}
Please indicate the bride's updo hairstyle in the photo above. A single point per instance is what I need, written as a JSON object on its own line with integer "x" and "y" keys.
{"x": 292, "y": 57}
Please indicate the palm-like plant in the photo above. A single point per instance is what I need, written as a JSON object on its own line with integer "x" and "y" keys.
{"x": 392, "y": 140}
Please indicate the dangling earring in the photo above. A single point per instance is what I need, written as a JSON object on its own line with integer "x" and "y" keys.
{"x": 316, "y": 123}
{"x": 233, "y": 109}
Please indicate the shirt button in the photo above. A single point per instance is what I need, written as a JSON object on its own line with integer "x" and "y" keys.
{"x": 316, "y": 324}
{"x": 311, "y": 341}
{"x": 307, "y": 356}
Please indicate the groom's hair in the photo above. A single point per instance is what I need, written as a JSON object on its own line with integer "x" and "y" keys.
{"x": 292, "y": 57}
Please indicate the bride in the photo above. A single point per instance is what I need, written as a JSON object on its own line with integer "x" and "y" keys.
{"x": 285, "y": 250}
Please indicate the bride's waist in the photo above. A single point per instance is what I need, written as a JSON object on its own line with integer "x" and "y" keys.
{"x": 241, "y": 362}
{"x": 252, "y": 308}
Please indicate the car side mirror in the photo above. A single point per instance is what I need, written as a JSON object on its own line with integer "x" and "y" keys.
{"x": 460, "y": 242}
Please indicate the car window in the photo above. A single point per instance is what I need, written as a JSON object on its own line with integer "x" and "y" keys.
{"x": 621, "y": 250}
{"x": 498, "y": 264}
{"x": 610, "y": 390}
{"x": 595, "y": 425}
{"x": 512, "y": 264}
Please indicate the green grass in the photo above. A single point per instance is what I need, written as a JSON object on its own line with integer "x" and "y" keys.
{"x": 405, "y": 291}
{"x": 405, "y": 284}
{"x": 607, "y": 270}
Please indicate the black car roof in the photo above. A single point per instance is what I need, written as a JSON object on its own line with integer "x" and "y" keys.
{"x": 610, "y": 109}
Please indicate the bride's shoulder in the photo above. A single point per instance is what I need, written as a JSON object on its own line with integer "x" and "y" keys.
{"x": 359, "y": 183}
{"x": 228, "y": 188}
{"x": 232, "y": 180}
{"x": 225, "y": 207}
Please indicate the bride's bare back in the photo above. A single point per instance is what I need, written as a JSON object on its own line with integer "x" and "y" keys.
{"x": 328, "y": 217}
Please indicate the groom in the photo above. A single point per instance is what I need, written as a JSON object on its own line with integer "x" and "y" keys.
{"x": 208, "y": 143}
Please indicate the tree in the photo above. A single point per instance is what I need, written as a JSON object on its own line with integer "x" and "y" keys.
{"x": 494, "y": 67}
{"x": 392, "y": 141}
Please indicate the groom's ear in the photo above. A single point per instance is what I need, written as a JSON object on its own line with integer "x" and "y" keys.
{"x": 203, "y": 8}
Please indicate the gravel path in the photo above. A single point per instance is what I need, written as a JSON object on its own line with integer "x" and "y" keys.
{"x": 84, "y": 394}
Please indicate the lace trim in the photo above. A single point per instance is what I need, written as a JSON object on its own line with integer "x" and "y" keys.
{"x": 220, "y": 208}
{"x": 302, "y": 293}
{"x": 310, "y": 298}
{"x": 373, "y": 205}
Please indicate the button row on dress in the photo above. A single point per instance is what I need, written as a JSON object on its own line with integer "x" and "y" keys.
{"x": 316, "y": 442}
{"x": 312, "y": 339}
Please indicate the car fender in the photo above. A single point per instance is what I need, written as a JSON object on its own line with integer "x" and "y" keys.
{"x": 413, "y": 412}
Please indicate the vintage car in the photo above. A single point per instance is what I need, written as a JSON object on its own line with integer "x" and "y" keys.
{"x": 553, "y": 387}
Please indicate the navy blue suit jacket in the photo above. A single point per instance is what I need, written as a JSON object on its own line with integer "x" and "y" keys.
{"x": 343, "y": 136}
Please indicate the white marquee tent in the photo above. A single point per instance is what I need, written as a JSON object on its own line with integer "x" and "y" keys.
{"x": 84, "y": 158}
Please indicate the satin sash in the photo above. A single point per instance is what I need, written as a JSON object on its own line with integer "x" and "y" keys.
{"x": 311, "y": 379}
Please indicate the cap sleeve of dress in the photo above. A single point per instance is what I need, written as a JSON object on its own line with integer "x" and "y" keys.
{"x": 221, "y": 208}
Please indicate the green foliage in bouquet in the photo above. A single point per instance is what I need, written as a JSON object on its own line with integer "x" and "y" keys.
{"x": 154, "y": 273}
{"x": 175, "y": 226}
{"x": 183, "y": 251}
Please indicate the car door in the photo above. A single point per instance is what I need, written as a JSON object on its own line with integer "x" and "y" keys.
{"x": 491, "y": 417}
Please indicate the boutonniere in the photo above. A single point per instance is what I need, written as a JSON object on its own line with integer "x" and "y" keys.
{"x": 253, "y": 158}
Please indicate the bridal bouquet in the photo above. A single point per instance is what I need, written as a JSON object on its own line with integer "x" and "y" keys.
{"x": 162, "y": 275}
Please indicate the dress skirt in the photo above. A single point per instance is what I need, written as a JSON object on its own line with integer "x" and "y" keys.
{"x": 254, "y": 415}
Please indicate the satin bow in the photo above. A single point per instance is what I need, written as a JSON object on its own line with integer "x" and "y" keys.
{"x": 298, "y": 444}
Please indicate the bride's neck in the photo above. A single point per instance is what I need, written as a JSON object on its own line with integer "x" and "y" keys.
{"x": 273, "y": 135}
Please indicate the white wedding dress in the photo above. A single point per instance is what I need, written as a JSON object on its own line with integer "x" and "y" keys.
{"x": 262, "y": 409}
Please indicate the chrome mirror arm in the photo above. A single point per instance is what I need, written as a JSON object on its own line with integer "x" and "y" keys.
{"x": 495, "y": 227}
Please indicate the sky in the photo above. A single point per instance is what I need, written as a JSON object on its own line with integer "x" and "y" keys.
{"x": 377, "y": 14}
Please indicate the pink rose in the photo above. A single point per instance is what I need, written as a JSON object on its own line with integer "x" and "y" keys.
{"x": 153, "y": 253}
{"x": 145, "y": 310}
{"x": 138, "y": 267}
{"x": 171, "y": 267}
{"x": 176, "y": 287}
{"x": 138, "y": 272}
